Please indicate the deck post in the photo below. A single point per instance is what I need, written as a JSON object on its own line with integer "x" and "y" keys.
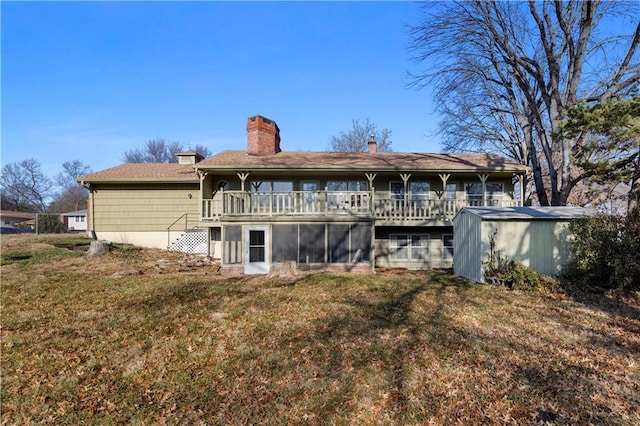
{"x": 483, "y": 178}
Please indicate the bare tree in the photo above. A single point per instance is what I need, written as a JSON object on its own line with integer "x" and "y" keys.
{"x": 70, "y": 199}
{"x": 505, "y": 74}
{"x": 71, "y": 170}
{"x": 357, "y": 139}
{"x": 160, "y": 151}
{"x": 25, "y": 186}
{"x": 72, "y": 196}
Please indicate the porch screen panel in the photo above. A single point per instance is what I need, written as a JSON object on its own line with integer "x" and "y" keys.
{"x": 338, "y": 243}
{"x": 232, "y": 244}
{"x": 311, "y": 244}
{"x": 360, "y": 243}
{"x": 285, "y": 243}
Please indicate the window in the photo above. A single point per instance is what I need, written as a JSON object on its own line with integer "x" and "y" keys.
{"x": 451, "y": 191}
{"x": 309, "y": 186}
{"x": 256, "y": 246}
{"x": 396, "y": 190}
{"x": 409, "y": 247}
{"x": 419, "y": 247}
{"x": 517, "y": 190}
{"x": 358, "y": 185}
{"x": 493, "y": 192}
{"x": 81, "y": 218}
{"x": 335, "y": 186}
{"x": 281, "y": 190}
{"x": 343, "y": 186}
{"x": 473, "y": 191}
{"x": 275, "y": 186}
{"x": 419, "y": 190}
{"x": 399, "y": 247}
{"x": 447, "y": 247}
{"x": 343, "y": 196}
{"x": 309, "y": 196}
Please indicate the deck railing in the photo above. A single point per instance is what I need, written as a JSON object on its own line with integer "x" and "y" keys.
{"x": 335, "y": 203}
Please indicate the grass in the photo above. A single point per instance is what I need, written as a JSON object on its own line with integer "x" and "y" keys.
{"x": 165, "y": 347}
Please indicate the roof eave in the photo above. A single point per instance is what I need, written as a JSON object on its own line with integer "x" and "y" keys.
{"x": 141, "y": 180}
{"x": 517, "y": 169}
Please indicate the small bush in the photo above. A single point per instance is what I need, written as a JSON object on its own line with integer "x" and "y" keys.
{"x": 515, "y": 275}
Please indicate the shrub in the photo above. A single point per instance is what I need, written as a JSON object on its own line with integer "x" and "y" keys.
{"x": 513, "y": 274}
{"x": 606, "y": 251}
{"x": 49, "y": 223}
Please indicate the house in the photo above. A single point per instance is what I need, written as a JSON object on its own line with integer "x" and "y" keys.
{"x": 75, "y": 221}
{"x": 537, "y": 237}
{"x": 11, "y": 218}
{"x": 323, "y": 210}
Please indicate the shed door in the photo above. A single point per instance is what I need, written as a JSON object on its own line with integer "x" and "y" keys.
{"x": 256, "y": 250}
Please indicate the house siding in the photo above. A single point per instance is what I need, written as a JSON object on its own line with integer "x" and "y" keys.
{"x": 142, "y": 208}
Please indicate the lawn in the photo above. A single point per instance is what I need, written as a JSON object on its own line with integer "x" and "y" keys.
{"x": 142, "y": 337}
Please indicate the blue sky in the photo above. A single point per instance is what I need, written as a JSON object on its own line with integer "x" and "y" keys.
{"x": 92, "y": 80}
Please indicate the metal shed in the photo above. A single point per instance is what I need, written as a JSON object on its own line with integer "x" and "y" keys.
{"x": 537, "y": 237}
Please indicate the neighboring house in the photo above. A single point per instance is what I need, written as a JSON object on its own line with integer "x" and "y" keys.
{"x": 75, "y": 221}
{"x": 537, "y": 237}
{"x": 322, "y": 210}
{"x": 11, "y": 218}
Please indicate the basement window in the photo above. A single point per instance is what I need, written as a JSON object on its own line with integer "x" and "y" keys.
{"x": 409, "y": 247}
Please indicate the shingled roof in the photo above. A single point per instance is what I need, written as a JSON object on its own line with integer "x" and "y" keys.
{"x": 360, "y": 161}
{"x": 318, "y": 161}
{"x": 144, "y": 172}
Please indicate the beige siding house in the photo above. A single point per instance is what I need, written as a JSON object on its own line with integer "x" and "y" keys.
{"x": 321, "y": 210}
{"x": 148, "y": 205}
{"x": 537, "y": 237}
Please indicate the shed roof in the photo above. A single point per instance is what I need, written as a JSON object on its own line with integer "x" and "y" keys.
{"x": 361, "y": 161}
{"x": 528, "y": 213}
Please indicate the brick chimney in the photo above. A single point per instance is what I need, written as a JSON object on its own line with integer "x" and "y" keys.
{"x": 263, "y": 136}
{"x": 373, "y": 146}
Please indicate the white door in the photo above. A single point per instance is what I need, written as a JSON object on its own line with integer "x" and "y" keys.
{"x": 256, "y": 253}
